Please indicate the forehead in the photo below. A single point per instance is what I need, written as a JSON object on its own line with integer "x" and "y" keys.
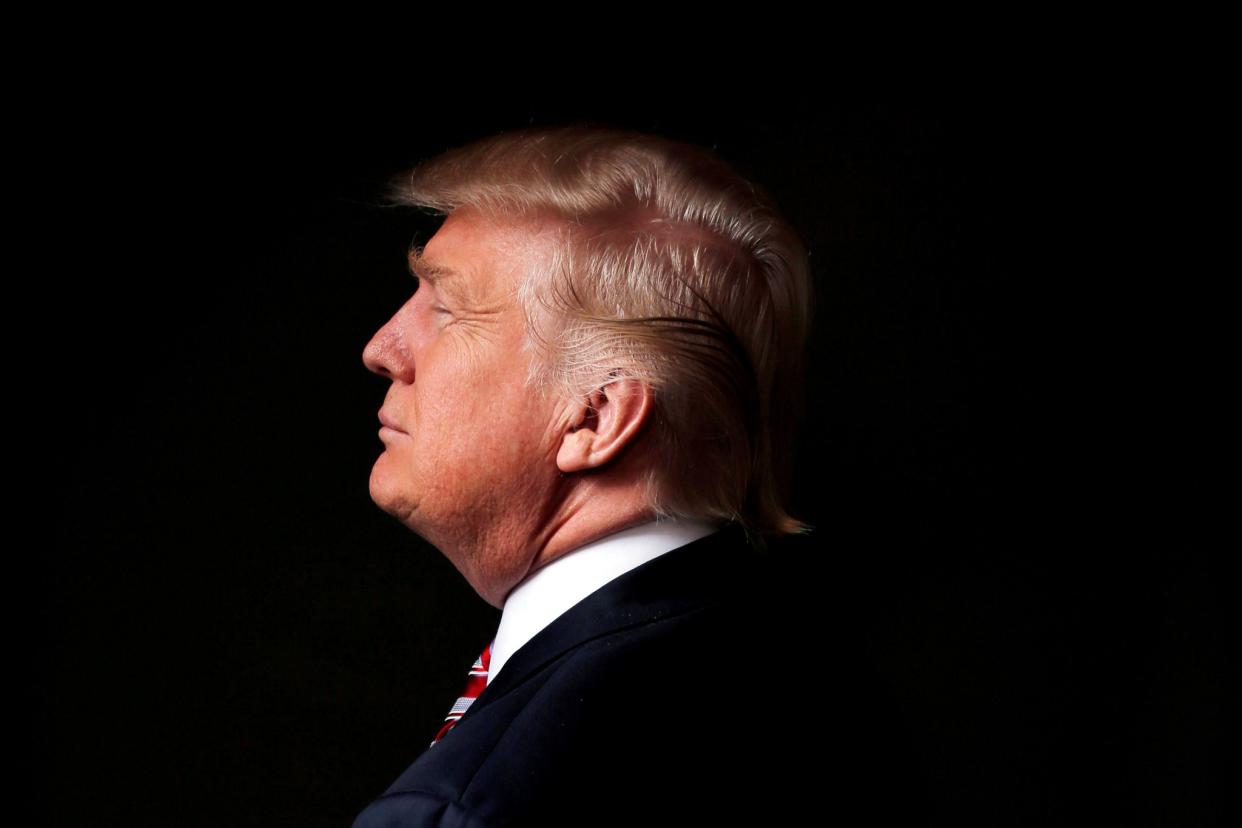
{"x": 479, "y": 258}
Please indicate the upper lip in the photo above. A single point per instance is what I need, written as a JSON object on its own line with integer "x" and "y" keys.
{"x": 388, "y": 421}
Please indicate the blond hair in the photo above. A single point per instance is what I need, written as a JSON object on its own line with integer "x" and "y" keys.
{"x": 672, "y": 269}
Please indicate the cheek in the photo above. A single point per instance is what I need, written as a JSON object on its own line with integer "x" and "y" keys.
{"x": 474, "y": 406}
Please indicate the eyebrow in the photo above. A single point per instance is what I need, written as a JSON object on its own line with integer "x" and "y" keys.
{"x": 428, "y": 271}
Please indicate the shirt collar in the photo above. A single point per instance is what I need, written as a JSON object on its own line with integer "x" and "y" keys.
{"x": 555, "y": 587}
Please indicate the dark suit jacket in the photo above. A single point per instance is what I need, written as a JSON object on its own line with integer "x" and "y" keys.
{"x": 675, "y": 692}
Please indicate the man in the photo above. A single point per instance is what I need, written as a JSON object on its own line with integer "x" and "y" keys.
{"x": 589, "y": 413}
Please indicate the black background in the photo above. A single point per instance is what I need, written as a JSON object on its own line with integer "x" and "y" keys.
{"x": 230, "y": 632}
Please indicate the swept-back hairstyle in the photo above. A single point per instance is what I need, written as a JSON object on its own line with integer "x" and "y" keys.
{"x": 671, "y": 268}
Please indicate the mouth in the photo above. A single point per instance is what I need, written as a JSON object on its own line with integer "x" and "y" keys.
{"x": 387, "y": 423}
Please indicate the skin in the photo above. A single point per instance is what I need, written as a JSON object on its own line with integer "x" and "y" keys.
{"x": 501, "y": 479}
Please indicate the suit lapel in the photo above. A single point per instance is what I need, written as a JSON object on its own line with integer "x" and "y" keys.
{"x": 686, "y": 578}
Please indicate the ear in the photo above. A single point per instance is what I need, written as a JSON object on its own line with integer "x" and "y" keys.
{"x": 604, "y": 423}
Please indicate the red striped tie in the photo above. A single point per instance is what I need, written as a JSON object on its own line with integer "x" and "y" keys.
{"x": 475, "y": 683}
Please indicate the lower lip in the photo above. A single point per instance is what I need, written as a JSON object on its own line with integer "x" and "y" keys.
{"x": 391, "y": 430}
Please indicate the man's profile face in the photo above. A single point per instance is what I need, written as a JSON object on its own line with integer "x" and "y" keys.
{"x": 468, "y": 448}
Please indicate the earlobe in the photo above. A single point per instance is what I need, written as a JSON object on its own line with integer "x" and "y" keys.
{"x": 604, "y": 424}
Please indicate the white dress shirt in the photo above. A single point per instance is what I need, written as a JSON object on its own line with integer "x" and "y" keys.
{"x": 554, "y": 588}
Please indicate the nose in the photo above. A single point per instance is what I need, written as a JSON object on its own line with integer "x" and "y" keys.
{"x": 387, "y": 355}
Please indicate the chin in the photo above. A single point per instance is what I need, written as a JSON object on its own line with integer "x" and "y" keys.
{"x": 383, "y": 488}
{"x": 391, "y": 493}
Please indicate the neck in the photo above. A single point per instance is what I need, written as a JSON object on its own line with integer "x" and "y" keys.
{"x": 595, "y": 510}
{"x": 557, "y": 514}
